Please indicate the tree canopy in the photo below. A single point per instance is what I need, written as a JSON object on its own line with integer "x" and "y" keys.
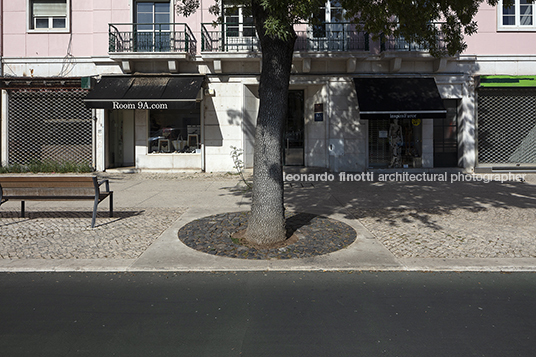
{"x": 420, "y": 21}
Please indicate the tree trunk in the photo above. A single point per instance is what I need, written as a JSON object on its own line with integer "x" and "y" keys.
{"x": 267, "y": 222}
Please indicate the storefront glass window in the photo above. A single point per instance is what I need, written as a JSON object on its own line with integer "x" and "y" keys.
{"x": 395, "y": 143}
{"x": 174, "y": 131}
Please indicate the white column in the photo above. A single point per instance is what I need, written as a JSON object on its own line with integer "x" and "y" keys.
{"x": 141, "y": 123}
{"x": 100, "y": 152}
{"x": 428, "y": 143}
{"x": 467, "y": 126}
{"x": 4, "y": 159}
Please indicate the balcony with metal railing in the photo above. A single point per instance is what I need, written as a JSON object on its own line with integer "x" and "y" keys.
{"x": 394, "y": 43}
{"x": 140, "y": 38}
{"x": 326, "y": 37}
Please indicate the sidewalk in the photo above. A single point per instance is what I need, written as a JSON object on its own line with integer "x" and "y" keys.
{"x": 400, "y": 225}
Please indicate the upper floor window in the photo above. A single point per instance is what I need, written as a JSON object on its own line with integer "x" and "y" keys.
{"x": 155, "y": 15}
{"x": 153, "y": 29}
{"x": 327, "y": 18}
{"x": 49, "y": 15}
{"x": 238, "y": 20}
{"x": 518, "y": 15}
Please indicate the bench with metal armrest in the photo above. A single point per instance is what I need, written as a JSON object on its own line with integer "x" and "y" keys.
{"x": 55, "y": 188}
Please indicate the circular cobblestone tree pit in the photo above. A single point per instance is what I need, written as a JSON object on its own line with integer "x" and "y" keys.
{"x": 308, "y": 235}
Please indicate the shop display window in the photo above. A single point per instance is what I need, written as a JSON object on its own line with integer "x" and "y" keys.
{"x": 395, "y": 143}
{"x": 174, "y": 131}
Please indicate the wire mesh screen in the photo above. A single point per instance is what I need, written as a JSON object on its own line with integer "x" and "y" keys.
{"x": 49, "y": 125}
{"x": 507, "y": 126}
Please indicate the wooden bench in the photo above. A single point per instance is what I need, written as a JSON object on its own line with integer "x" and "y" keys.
{"x": 54, "y": 188}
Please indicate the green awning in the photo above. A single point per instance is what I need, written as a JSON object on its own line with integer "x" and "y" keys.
{"x": 507, "y": 81}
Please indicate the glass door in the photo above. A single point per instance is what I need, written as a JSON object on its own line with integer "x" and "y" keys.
{"x": 115, "y": 139}
{"x": 294, "y": 141}
{"x": 328, "y": 28}
{"x": 446, "y": 136}
{"x": 152, "y": 32}
{"x": 379, "y": 148}
{"x": 239, "y": 28}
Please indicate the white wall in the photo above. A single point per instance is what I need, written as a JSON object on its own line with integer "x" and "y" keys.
{"x": 224, "y": 114}
{"x": 316, "y": 132}
{"x": 251, "y": 108}
{"x": 347, "y": 134}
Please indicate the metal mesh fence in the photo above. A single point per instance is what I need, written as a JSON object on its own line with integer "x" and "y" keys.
{"x": 507, "y": 126}
{"x": 49, "y": 124}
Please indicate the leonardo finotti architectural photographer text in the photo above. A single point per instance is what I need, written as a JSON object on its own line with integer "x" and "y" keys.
{"x": 404, "y": 177}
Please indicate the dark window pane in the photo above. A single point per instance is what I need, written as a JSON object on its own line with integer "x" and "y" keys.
{"x": 509, "y": 10}
{"x": 231, "y": 20}
{"x": 162, "y": 19}
{"x": 145, "y": 7}
{"x": 161, "y": 7}
{"x": 58, "y": 23}
{"x": 41, "y": 23}
{"x": 145, "y": 18}
{"x": 231, "y": 11}
{"x": 249, "y": 32}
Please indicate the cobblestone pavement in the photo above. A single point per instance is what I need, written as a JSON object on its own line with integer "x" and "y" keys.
{"x": 491, "y": 233}
{"x": 67, "y": 233}
{"x": 425, "y": 220}
{"x": 316, "y": 235}
{"x": 493, "y": 220}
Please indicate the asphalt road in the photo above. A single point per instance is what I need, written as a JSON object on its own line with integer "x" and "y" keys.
{"x": 268, "y": 314}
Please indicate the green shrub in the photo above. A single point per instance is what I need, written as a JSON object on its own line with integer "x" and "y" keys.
{"x": 48, "y": 166}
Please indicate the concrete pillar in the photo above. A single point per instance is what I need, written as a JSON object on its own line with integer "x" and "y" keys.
{"x": 428, "y": 143}
{"x": 141, "y": 120}
{"x": 100, "y": 142}
{"x": 467, "y": 127}
{"x": 4, "y": 158}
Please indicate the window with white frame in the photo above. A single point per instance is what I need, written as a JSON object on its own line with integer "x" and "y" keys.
{"x": 516, "y": 15}
{"x": 48, "y": 15}
{"x": 153, "y": 28}
{"x": 329, "y": 15}
{"x": 238, "y": 20}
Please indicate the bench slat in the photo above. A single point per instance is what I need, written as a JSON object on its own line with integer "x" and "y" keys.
{"x": 102, "y": 196}
{"x": 47, "y": 191}
{"x": 39, "y": 178}
{"x": 17, "y": 184}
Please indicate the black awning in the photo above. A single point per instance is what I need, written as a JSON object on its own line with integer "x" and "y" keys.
{"x": 145, "y": 92}
{"x": 390, "y": 98}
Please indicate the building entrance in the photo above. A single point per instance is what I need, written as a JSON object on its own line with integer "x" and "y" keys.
{"x": 120, "y": 139}
{"x": 294, "y": 141}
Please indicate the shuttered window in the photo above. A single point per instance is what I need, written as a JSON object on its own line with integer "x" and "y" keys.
{"x": 49, "y": 15}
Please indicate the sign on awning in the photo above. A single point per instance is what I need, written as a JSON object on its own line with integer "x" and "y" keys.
{"x": 399, "y": 98}
{"x": 145, "y": 92}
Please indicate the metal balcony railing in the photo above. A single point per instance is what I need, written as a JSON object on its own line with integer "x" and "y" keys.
{"x": 392, "y": 43}
{"x": 234, "y": 37}
{"x": 151, "y": 37}
{"x": 228, "y": 37}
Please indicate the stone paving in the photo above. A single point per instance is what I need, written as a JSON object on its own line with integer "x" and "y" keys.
{"x": 491, "y": 233}
{"x": 482, "y": 220}
{"x": 316, "y": 235}
{"x": 430, "y": 220}
{"x": 66, "y": 233}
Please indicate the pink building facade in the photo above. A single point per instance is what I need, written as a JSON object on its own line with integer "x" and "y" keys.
{"x": 130, "y": 84}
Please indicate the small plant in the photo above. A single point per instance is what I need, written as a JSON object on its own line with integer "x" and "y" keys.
{"x": 238, "y": 164}
{"x": 235, "y": 241}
